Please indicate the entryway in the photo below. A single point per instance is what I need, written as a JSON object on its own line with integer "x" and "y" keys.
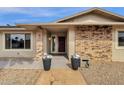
{"x": 58, "y": 43}
{"x": 59, "y": 61}
{"x": 59, "y": 39}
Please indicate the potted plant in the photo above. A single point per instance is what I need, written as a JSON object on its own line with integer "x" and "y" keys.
{"x": 47, "y": 62}
{"x": 75, "y": 61}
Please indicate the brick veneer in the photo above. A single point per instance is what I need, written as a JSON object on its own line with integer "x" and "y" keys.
{"x": 94, "y": 41}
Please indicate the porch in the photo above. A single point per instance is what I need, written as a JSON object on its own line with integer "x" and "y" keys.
{"x": 59, "y": 40}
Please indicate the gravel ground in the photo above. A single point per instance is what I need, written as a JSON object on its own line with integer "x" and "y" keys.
{"x": 19, "y": 76}
{"x": 102, "y": 73}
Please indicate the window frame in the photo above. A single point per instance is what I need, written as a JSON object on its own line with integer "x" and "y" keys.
{"x": 116, "y": 37}
{"x": 19, "y": 32}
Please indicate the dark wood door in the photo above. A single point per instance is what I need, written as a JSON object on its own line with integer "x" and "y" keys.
{"x": 61, "y": 46}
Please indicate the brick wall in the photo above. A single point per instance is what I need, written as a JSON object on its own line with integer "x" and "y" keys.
{"x": 94, "y": 41}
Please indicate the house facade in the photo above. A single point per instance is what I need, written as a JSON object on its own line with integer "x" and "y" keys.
{"x": 96, "y": 33}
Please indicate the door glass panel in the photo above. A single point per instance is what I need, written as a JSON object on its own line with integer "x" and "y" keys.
{"x": 53, "y": 43}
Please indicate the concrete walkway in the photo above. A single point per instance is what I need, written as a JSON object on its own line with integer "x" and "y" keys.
{"x": 61, "y": 74}
{"x": 61, "y": 77}
{"x": 59, "y": 61}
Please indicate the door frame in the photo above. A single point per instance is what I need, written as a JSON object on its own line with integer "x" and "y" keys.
{"x": 56, "y": 44}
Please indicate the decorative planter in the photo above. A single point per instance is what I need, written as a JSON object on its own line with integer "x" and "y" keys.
{"x": 75, "y": 62}
{"x": 47, "y": 62}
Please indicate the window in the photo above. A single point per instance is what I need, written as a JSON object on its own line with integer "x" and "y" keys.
{"x": 18, "y": 41}
{"x": 120, "y": 38}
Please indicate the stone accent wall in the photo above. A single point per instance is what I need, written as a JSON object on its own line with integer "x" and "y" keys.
{"x": 94, "y": 41}
{"x": 39, "y": 46}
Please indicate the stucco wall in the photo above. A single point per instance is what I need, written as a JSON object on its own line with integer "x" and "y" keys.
{"x": 71, "y": 41}
{"x": 94, "y": 41}
{"x": 16, "y": 53}
{"x": 117, "y": 53}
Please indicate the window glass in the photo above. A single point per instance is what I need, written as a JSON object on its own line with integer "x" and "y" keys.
{"x": 121, "y": 38}
{"x": 17, "y": 41}
{"x": 7, "y": 41}
{"x": 27, "y": 41}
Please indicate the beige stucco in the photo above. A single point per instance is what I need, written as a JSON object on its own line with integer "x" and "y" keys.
{"x": 71, "y": 41}
{"x": 90, "y": 18}
{"x": 44, "y": 40}
{"x": 17, "y": 52}
{"x": 117, "y": 53}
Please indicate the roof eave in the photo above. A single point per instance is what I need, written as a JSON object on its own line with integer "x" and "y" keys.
{"x": 62, "y": 24}
{"x": 13, "y": 29}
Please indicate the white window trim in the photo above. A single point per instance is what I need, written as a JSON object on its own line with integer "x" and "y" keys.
{"x": 31, "y": 49}
{"x": 116, "y": 39}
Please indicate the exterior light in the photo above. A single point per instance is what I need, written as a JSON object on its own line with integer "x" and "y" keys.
{"x": 49, "y": 38}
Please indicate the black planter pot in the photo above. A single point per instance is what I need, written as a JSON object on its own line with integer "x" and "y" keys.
{"x": 47, "y": 63}
{"x": 75, "y": 62}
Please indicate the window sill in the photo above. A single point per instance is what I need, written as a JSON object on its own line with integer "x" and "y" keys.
{"x": 119, "y": 47}
{"x": 18, "y": 49}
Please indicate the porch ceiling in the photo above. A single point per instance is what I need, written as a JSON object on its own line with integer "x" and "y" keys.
{"x": 56, "y": 28}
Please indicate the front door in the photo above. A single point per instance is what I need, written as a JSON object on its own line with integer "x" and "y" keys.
{"x": 61, "y": 44}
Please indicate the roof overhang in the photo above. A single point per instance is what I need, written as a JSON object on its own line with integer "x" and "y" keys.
{"x": 12, "y": 29}
{"x": 73, "y": 24}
